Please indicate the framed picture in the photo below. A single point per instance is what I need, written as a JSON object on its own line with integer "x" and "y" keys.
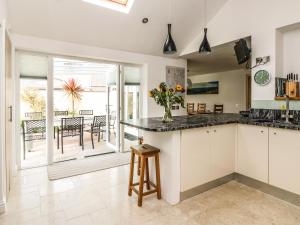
{"x": 174, "y": 76}
{"x": 211, "y": 87}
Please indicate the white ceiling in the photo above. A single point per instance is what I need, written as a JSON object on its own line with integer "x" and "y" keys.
{"x": 79, "y": 22}
{"x": 221, "y": 59}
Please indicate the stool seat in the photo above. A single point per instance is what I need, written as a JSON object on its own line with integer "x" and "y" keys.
{"x": 144, "y": 152}
{"x": 144, "y": 149}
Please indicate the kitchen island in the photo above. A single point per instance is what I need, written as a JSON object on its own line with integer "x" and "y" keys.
{"x": 200, "y": 152}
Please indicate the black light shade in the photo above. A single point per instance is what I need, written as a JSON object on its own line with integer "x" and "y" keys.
{"x": 205, "y": 47}
{"x": 169, "y": 47}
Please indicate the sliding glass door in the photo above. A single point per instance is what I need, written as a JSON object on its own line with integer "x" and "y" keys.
{"x": 83, "y": 102}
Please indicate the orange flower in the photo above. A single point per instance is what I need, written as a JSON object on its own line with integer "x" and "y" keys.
{"x": 151, "y": 94}
{"x": 179, "y": 87}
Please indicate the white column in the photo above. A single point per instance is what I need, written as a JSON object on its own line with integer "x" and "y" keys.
{"x": 2, "y": 116}
{"x": 49, "y": 112}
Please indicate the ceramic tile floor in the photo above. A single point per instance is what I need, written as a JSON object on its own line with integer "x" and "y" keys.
{"x": 100, "y": 198}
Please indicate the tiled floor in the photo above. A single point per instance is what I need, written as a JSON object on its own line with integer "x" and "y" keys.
{"x": 100, "y": 198}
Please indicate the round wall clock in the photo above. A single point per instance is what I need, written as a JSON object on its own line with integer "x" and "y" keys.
{"x": 262, "y": 77}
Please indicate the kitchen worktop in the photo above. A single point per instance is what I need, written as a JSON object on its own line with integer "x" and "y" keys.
{"x": 204, "y": 120}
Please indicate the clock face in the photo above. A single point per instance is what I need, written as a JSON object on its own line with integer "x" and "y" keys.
{"x": 262, "y": 77}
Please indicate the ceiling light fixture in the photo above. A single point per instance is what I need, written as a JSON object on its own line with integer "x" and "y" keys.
{"x": 169, "y": 46}
{"x": 205, "y": 47}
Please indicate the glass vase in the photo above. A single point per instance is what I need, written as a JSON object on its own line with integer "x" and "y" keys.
{"x": 168, "y": 115}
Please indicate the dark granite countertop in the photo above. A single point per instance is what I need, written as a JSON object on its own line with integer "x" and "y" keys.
{"x": 203, "y": 120}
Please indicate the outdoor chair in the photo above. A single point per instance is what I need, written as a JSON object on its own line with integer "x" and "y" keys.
{"x": 86, "y": 112}
{"x": 33, "y": 130}
{"x": 33, "y": 115}
{"x": 70, "y": 127}
{"x": 97, "y": 127}
{"x": 57, "y": 115}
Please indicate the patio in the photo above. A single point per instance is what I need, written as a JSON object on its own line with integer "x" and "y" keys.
{"x": 84, "y": 106}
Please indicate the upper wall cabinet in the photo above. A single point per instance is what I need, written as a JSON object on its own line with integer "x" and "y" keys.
{"x": 252, "y": 154}
{"x": 284, "y": 153}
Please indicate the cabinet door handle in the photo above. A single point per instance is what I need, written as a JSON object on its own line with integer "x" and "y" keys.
{"x": 215, "y": 131}
{"x": 207, "y": 131}
{"x": 262, "y": 131}
{"x": 275, "y": 133}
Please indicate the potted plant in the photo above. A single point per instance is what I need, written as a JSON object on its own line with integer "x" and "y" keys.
{"x": 73, "y": 89}
{"x": 167, "y": 97}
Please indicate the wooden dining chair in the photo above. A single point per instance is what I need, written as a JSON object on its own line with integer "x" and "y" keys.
{"x": 218, "y": 108}
{"x": 201, "y": 108}
{"x": 190, "y": 108}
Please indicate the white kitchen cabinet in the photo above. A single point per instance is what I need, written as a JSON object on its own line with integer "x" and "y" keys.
{"x": 223, "y": 141}
{"x": 252, "y": 152}
{"x": 195, "y": 158}
{"x": 284, "y": 164}
{"x": 207, "y": 154}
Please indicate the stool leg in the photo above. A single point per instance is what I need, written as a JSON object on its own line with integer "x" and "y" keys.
{"x": 157, "y": 168}
{"x": 147, "y": 175}
{"x": 131, "y": 173}
{"x": 139, "y": 166}
{"x": 141, "y": 183}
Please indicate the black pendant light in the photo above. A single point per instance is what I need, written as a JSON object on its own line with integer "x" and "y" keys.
{"x": 169, "y": 46}
{"x": 205, "y": 47}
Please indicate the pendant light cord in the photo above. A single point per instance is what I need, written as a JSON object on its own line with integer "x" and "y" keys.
{"x": 170, "y": 13}
{"x": 205, "y": 13}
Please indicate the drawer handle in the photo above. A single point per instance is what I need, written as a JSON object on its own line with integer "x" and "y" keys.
{"x": 207, "y": 131}
{"x": 275, "y": 133}
{"x": 215, "y": 131}
{"x": 262, "y": 131}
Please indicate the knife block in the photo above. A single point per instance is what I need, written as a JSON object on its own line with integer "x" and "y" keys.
{"x": 292, "y": 89}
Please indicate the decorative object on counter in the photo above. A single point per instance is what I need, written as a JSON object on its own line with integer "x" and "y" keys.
{"x": 211, "y": 87}
{"x": 167, "y": 97}
{"x": 262, "y": 77}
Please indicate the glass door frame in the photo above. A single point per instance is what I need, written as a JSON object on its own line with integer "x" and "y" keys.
{"x": 49, "y": 103}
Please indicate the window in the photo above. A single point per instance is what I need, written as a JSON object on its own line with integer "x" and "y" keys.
{"x": 117, "y": 5}
{"x": 122, "y": 2}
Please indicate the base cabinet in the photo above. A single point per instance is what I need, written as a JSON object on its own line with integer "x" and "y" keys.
{"x": 284, "y": 154}
{"x": 206, "y": 154}
{"x": 252, "y": 152}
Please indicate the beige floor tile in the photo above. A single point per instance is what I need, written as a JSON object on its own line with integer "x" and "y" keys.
{"x": 82, "y": 220}
{"x": 101, "y": 198}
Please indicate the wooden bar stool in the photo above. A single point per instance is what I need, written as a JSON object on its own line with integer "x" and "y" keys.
{"x": 144, "y": 152}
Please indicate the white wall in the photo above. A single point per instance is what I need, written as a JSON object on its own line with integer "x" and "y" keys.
{"x": 255, "y": 18}
{"x": 291, "y": 52}
{"x": 232, "y": 91}
{"x": 3, "y": 10}
{"x": 154, "y": 70}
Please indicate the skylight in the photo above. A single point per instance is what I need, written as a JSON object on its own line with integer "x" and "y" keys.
{"x": 117, "y": 5}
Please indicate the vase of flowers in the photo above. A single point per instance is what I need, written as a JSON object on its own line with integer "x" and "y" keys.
{"x": 167, "y": 97}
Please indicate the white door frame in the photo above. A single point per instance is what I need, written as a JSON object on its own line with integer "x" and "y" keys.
{"x": 2, "y": 117}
